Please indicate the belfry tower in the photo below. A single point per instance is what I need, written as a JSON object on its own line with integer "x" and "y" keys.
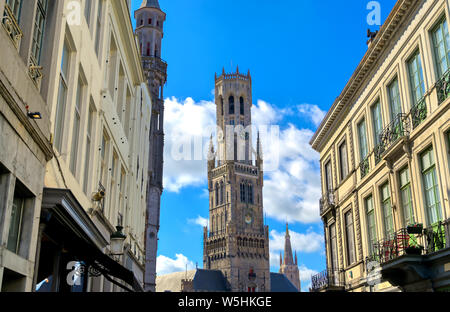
{"x": 289, "y": 266}
{"x": 149, "y": 29}
{"x": 237, "y": 242}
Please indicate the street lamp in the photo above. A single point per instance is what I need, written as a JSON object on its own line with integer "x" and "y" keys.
{"x": 117, "y": 241}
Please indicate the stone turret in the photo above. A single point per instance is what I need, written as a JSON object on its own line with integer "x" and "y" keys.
{"x": 287, "y": 265}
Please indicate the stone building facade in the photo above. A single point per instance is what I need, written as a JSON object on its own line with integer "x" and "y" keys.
{"x": 289, "y": 264}
{"x": 77, "y": 177}
{"x": 237, "y": 242}
{"x": 150, "y": 31}
{"x": 385, "y": 163}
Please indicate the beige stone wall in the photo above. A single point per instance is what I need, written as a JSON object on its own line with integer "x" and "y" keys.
{"x": 352, "y": 190}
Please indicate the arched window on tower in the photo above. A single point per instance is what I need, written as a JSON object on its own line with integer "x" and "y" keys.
{"x": 217, "y": 194}
{"x": 148, "y": 49}
{"x": 241, "y": 100}
{"x": 221, "y": 106}
{"x": 231, "y": 102}
{"x": 250, "y": 193}
{"x": 242, "y": 193}
{"x": 221, "y": 193}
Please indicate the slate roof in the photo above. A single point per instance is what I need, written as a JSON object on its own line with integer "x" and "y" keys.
{"x": 280, "y": 283}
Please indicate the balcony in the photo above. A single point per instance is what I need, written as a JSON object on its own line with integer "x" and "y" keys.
{"x": 395, "y": 135}
{"x": 411, "y": 260}
{"x": 327, "y": 202}
{"x": 155, "y": 63}
{"x": 364, "y": 167}
{"x": 35, "y": 72}
{"x": 443, "y": 87}
{"x": 418, "y": 113}
{"x": 327, "y": 281}
{"x": 11, "y": 26}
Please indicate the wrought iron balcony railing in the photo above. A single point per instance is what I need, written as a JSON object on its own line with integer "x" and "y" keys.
{"x": 35, "y": 72}
{"x": 364, "y": 167}
{"x": 397, "y": 129}
{"x": 443, "y": 87}
{"x": 155, "y": 63}
{"x": 327, "y": 201}
{"x": 435, "y": 237}
{"x": 419, "y": 113}
{"x": 327, "y": 279}
{"x": 12, "y": 26}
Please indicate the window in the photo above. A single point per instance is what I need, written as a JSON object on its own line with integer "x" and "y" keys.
{"x": 38, "y": 34}
{"x": 76, "y": 127}
{"x": 363, "y": 148}
{"x": 242, "y": 108}
{"x": 250, "y": 193}
{"x": 221, "y": 106}
{"x": 371, "y": 226}
{"x": 343, "y": 160}
{"x": 112, "y": 187}
{"x": 328, "y": 177}
{"x": 62, "y": 97}
{"x": 231, "y": 103}
{"x": 243, "y": 197}
{"x": 387, "y": 211}
{"x": 406, "y": 197}
{"x": 394, "y": 99}
{"x": 122, "y": 184}
{"x": 15, "y": 225}
{"x": 87, "y": 11}
{"x": 432, "y": 198}
{"x": 350, "y": 238}
{"x": 377, "y": 120}
{"x": 221, "y": 193}
{"x": 333, "y": 247}
{"x": 416, "y": 78}
{"x": 99, "y": 26}
{"x": 441, "y": 43}
{"x": 217, "y": 194}
{"x": 15, "y": 6}
{"x": 88, "y": 148}
{"x": 103, "y": 159}
{"x": 149, "y": 21}
{"x": 112, "y": 68}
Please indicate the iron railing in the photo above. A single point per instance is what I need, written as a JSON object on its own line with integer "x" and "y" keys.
{"x": 434, "y": 237}
{"x": 327, "y": 201}
{"x": 418, "y": 113}
{"x": 397, "y": 129}
{"x": 326, "y": 279}
{"x": 12, "y": 26}
{"x": 443, "y": 87}
{"x": 364, "y": 167}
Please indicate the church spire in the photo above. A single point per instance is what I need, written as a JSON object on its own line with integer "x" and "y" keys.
{"x": 288, "y": 259}
{"x": 150, "y": 4}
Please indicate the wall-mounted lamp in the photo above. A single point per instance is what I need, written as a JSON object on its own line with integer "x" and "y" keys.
{"x": 117, "y": 242}
{"x": 31, "y": 115}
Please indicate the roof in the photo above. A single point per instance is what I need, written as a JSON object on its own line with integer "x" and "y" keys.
{"x": 172, "y": 282}
{"x": 150, "y": 4}
{"x": 280, "y": 283}
{"x": 376, "y": 48}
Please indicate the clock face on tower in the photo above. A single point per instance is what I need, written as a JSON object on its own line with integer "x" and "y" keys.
{"x": 248, "y": 217}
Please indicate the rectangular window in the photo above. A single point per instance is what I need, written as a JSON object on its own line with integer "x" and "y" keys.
{"x": 350, "y": 238}
{"x": 406, "y": 197}
{"x": 38, "y": 34}
{"x": 432, "y": 198}
{"x": 416, "y": 78}
{"x": 87, "y": 163}
{"x": 394, "y": 99}
{"x": 103, "y": 159}
{"x": 122, "y": 184}
{"x": 112, "y": 187}
{"x": 62, "y": 97}
{"x": 387, "y": 211}
{"x": 328, "y": 177}
{"x": 371, "y": 225}
{"x": 76, "y": 128}
{"x": 99, "y": 26}
{"x": 362, "y": 134}
{"x": 441, "y": 43}
{"x": 343, "y": 160}
{"x": 377, "y": 120}
{"x": 333, "y": 247}
{"x": 15, "y": 225}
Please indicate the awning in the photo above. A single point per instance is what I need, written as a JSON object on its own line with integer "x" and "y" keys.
{"x": 85, "y": 241}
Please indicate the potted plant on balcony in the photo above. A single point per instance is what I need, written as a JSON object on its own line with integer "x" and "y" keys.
{"x": 415, "y": 228}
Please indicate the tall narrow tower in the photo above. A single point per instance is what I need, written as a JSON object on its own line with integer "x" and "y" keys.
{"x": 288, "y": 266}
{"x": 237, "y": 242}
{"x": 149, "y": 29}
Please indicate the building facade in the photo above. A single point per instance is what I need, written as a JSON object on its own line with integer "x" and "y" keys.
{"x": 289, "y": 264}
{"x": 237, "y": 242}
{"x": 384, "y": 156}
{"x": 149, "y": 29}
{"x": 86, "y": 81}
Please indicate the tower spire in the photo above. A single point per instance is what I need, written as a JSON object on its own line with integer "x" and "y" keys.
{"x": 288, "y": 259}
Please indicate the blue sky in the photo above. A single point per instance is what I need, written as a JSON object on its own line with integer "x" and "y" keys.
{"x": 300, "y": 54}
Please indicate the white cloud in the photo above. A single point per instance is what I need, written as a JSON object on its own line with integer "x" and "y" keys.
{"x": 264, "y": 113}
{"x": 199, "y": 221}
{"x": 305, "y": 243}
{"x": 165, "y": 265}
{"x": 312, "y": 112}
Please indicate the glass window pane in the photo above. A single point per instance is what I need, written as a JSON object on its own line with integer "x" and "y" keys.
{"x": 15, "y": 225}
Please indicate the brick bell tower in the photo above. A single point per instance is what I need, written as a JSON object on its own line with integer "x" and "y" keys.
{"x": 237, "y": 242}
{"x": 149, "y": 29}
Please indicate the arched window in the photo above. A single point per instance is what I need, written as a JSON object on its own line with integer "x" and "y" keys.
{"x": 217, "y": 194}
{"x": 221, "y": 106}
{"x": 242, "y": 193}
{"x": 250, "y": 193}
{"x": 241, "y": 100}
{"x": 231, "y": 102}
{"x": 221, "y": 193}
